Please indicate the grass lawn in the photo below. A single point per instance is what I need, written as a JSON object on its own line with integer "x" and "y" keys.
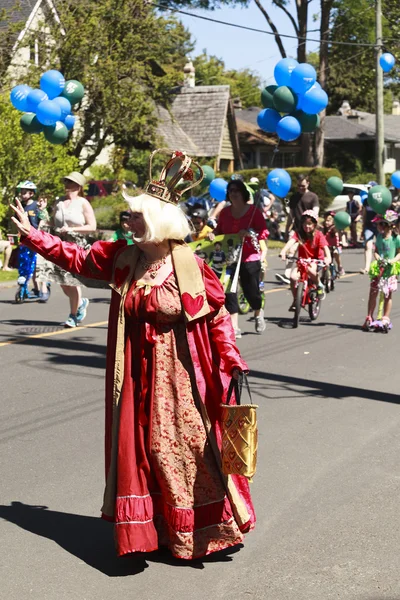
{"x": 274, "y": 244}
{"x": 8, "y": 275}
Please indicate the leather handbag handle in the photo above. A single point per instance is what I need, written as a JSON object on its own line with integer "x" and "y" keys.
{"x": 237, "y": 386}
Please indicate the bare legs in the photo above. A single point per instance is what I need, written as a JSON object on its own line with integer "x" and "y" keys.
{"x": 7, "y": 254}
{"x": 369, "y": 247}
{"x": 74, "y": 294}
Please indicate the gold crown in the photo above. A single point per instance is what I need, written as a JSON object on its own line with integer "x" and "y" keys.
{"x": 177, "y": 170}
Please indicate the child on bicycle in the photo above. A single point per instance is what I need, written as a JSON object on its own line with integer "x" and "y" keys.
{"x": 313, "y": 245}
{"x": 384, "y": 270}
{"x": 332, "y": 237}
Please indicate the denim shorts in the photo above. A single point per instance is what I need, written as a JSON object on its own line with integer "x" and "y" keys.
{"x": 369, "y": 234}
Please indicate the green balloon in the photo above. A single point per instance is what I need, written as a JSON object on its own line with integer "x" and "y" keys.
{"x": 342, "y": 220}
{"x": 284, "y": 99}
{"x": 309, "y": 123}
{"x": 56, "y": 134}
{"x": 73, "y": 91}
{"x": 334, "y": 186}
{"x": 209, "y": 175}
{"x": 266, "y": 96}
{"x": 379, "y": 199}
{"x": 30, "y": 124}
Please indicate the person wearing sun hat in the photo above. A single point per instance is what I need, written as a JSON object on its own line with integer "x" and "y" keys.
{"x": 73, "y": 220}
{"x": 171, "y": 356}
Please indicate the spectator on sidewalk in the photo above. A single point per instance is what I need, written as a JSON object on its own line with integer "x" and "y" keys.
{"x": 6, "y": 249}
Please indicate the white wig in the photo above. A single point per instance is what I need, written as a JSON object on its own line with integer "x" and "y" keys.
{"x": 163, "y": 220}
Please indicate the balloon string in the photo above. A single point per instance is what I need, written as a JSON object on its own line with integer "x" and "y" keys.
{"x": 274, "y": 153}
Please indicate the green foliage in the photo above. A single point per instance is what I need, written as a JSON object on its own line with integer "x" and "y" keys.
{"x": 244, "y": 84}
{"x": 24, "y": 156}
{"x": 351, "y": 71}
{"x": 318, "y": 178}
{"x": 128, "y": 58}
{"x": 107, "y": 210}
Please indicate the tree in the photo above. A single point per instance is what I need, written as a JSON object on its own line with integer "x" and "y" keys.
{"x": 128, "y": 59}
{"x": 244, "y": 84}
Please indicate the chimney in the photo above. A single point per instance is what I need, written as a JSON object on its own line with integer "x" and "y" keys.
{"x": 189, "y": 75}
{"x": 396, "y": 108}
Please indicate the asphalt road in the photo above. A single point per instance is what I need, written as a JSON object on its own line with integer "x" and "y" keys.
{"x": 328, "y": 483}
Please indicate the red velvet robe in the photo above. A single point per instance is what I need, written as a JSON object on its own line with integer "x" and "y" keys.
{"x": 213, "y": 354}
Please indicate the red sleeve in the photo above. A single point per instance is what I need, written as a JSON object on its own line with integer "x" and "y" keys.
{"x": 97, "y": 263}
{"x": 321, "y": 241}
{"x": 259, "y": 225}
{"x": 221, "y": 224}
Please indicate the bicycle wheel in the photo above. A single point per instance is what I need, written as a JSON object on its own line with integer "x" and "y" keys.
{"x": 244, "y": 306}
{"x": 19, "y": 297}
{"x": 314, "y": 305}
{"x": 333, "y": 277}
{"x": 327, "y": 280}
{"x": 297, "y": 305}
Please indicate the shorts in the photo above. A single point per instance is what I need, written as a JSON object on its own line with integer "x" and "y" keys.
{"x": 369, "y": 234}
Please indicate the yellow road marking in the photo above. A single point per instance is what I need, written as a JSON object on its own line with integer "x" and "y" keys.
{"x": 51, "y": 333}
{"x": 101, "y": 323}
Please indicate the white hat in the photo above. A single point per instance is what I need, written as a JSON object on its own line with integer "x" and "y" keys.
{"x": 254, "y": 180}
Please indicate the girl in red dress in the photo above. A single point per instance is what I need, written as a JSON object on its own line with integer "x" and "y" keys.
{"x": 171, "y": 354}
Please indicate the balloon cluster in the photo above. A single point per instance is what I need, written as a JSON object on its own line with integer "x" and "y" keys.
{"x": 48, "y": 109}
{"x": 292, "y": 106}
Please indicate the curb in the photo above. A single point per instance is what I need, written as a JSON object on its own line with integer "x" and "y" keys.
{"x": 8, "y": 284}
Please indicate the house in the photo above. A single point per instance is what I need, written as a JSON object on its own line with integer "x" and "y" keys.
{"x": 201, "y": 121}
{"x": 29, "y": 45}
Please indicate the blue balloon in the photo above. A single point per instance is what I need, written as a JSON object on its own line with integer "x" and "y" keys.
{"x": 283, "y": 70}
{"x": 19, "y": 97}
{"x": 288, "y": 129}
{"x": 268, "y": 119}
{"x": 303, "y": 77}
{"x": 48, "y": 113}
{"x": 395, "y": 179}
{"x": 65, "y": 106}
{"x": 314, "y": 101}
{"x": 218, "y": 189}
{"x": 52, "y": 83}
{"x": 35, "y": 97}
{"x": 363, "y": 196}
{"x": 69, "y": 122}
{"x": 279, "y": 182}
{"x": 387, "y": 62}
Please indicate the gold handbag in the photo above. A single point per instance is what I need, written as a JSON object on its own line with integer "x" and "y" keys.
{"x": 239, "y": 433}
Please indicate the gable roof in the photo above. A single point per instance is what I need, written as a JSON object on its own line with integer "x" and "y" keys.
{"x": 173, "y": 135}
{"x": 24, "y": 11}
{"x": 201, "y": 112}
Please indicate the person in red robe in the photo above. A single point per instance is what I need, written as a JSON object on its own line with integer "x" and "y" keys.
{"x": 171, "y": 354}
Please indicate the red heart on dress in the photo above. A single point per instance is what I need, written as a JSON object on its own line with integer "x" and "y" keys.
{"x": 192, "y": 305}
{"x": 120, "y": 275}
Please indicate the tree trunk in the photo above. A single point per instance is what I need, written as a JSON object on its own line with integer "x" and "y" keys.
{"x": 307, "y": 155}
{"x": 302, "y": 17}
{"x": 326, "y": 7}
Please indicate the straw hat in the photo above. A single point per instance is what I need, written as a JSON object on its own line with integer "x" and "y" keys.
{"x": 76, "y": 178}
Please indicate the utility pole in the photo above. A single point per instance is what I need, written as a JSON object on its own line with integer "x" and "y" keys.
{"x": 380, "y": 135}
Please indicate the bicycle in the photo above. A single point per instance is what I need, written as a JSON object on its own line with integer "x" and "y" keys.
{"x": 330, "y": 274}
{"x": 306, "y": 291}
{"x": 244, "y": 306}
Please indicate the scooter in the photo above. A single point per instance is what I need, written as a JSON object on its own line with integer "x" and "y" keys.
{"x": 23, "y": 294}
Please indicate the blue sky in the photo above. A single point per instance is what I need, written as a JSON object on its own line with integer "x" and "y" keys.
{"x": 241, "y": 49}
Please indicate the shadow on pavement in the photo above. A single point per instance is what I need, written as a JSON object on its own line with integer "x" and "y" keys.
{"x": 326, "y": 389}
{"x": 90, "y": 539}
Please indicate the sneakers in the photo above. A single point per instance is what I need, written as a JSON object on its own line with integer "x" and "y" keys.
{"x": 292, "y": 307}
{"x": 43, "y": 297}
{"x": 81, "y": 314}
{"x": 260, "y": 323}
{"x": 238, "y": 334}
{"x": 321, "y": 291}
{"x": 71, "y": 322}
{"x": 342, "y": 272}
{"x": 282, "y": 278}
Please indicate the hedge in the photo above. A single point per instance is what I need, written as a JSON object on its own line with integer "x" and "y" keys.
{"x": 107, "y": 209}
{"x": 318, "y": 178}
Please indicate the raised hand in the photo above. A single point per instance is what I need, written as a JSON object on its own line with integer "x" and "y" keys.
{"x": 21, "y": 219}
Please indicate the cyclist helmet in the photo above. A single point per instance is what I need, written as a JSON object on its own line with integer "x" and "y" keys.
{"x": 309, "y": 213}
{"x": 200, "y": 213}
{"x": 27, "y": 185}
{"x": 254, "y": 180}
{"x": 372, "y": 183}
